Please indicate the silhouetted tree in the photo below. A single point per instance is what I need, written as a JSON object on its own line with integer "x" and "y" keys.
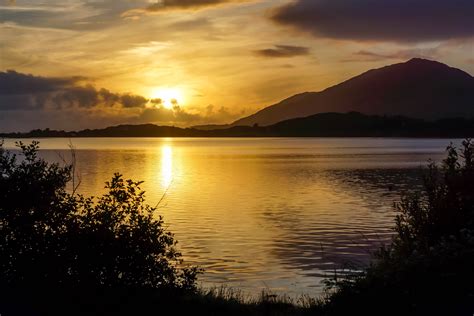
{"x": 51, "y": 239}
{"x": 428, "y": 269}
{"x": 446, "y": 209}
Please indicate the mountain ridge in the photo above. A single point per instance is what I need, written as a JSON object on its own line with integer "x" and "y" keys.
{"x": 417, "y": 88}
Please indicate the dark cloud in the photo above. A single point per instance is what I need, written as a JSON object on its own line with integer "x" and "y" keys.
{"x": 167, "y": 5}
{"x": 283, "y": 51}
{"x": 109, "y": 98}
{"x": 404, "y": 54}
{"x": 14, "y": 83}
{"x": 133, "y": 101}
{"x": 28, "y": 92}
{"x": 184, "y": 4}
{"x": 156, "y": 101}
{"x": 392, "y": 20}
{"x": 89, "y": 97}
{"x": 367, "y": 55}
{"x": 14, "y": 102}
{"x": 86, "y": 97}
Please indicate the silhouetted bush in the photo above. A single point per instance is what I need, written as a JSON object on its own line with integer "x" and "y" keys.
{"x": 52, "y": 240}
{"x": 428, "y": 269}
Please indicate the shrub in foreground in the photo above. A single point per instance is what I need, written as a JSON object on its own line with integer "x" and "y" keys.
{"x": 428, "y": 269}
{"x": 53, "y": 241}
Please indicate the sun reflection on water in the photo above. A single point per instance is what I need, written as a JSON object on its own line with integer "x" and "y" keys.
{"x": 166, "y": 165}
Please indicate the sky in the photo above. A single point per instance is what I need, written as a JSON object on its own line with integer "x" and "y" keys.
{"x": 75, "y": 64}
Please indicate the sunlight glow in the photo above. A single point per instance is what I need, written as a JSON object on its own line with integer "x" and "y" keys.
{"x": 169, "y": 96}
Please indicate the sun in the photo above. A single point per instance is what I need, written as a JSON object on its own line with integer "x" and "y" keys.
{"x": 169, "y": 96}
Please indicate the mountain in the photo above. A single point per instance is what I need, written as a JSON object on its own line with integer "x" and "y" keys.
{"x": 352, "y": 124}
{"x": 418, "y": 88}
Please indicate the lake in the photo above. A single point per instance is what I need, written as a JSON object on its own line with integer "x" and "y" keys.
{"x": 263, "y": 213}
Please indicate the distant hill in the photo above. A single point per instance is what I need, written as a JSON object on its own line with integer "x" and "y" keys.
{"x": 418, "y": 88}
{"x": 211, "y": 126}
{"x": 320, "y": 125}
{"x": 355, "y": 124}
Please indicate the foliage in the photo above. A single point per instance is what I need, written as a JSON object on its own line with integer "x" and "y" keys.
{"x": 53, "y": 240}
{"x": 428, "y": 267}
{"x": 446, "y": 208}
{"x": 63, "y": 253}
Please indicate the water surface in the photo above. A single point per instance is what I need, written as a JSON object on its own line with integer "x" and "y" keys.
{"x": 263, "y": 213}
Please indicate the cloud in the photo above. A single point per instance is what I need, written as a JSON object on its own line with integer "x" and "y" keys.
{"x": 28, "y": 101}
{"x": 67, "y": 15}
{"x": 133, "y": 101}
{"x": 14, "y": 83}
{"x": 183, "y": 4}
{"x": 43, "y": 16}
{"x": 181, "y": 116}
{"x": 173, "y": 5}
{"x": 84, "y": 97}
{"x": 403, "y": 54}
{"x": 283, "y": 51}
{"x": 221, "y": 114}
{"x": 176, "y": 115}
{"x": 390, "y": 20}
{"x": 20, "y": 91}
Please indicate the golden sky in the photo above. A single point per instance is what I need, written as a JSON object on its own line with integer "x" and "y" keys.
{"x": 73, "y": 64}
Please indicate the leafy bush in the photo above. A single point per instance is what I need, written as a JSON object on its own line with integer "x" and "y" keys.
{"x": 62, "y": 253}
{"x": 51, "y": 239}
{"x": 428, "y": 269}
{"x": 445, "y": 209}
